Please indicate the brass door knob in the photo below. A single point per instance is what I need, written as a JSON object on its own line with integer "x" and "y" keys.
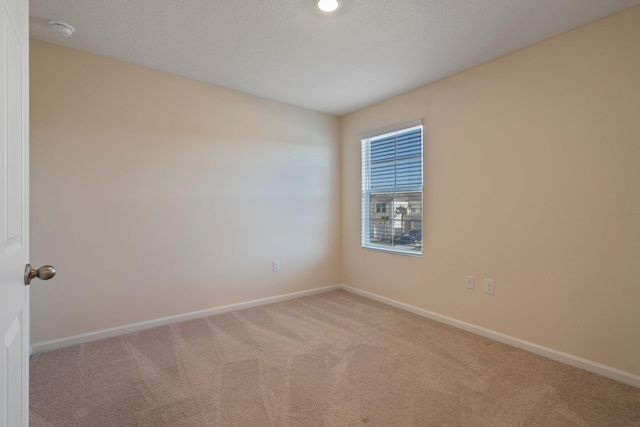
{"x": 45, "y": 272}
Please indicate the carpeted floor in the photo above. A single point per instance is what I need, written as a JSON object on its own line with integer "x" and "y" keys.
{"x": 332, "y": 359}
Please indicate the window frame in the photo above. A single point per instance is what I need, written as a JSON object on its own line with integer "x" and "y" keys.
{"x": 368, "y": 192}
{"x": 381, "y": 207}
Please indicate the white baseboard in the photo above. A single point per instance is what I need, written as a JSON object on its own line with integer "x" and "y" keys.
{"x": 578, "y": 362}
{"x": 135, "y": 327}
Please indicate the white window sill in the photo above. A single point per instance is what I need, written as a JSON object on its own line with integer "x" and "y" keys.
{"x": 413, "y": 254}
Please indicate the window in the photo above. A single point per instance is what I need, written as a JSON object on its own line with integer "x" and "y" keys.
{"x": 392, "y": 191}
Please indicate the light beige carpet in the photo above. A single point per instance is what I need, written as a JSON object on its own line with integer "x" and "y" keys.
{"x": 332, "y": 359}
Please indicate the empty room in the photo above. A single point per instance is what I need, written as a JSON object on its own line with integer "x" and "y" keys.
{"x": 320, "y": 213}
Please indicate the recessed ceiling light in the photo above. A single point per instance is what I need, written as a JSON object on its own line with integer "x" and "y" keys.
{"x": 328, "y": 5}
{"x": 62, "y": 28}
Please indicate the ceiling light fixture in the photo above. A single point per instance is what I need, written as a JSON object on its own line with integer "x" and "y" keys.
{"x": 328, "y": 5}
{"x": 62, "y": 28}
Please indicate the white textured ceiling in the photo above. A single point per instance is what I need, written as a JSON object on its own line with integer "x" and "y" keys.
{"x": 287, "y": 50}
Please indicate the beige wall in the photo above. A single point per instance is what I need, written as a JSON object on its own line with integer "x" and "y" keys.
{"x": 155, "y": 195}
{"x": 532, "y": 178}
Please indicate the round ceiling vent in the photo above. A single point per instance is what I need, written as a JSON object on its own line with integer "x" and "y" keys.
{"x": 62, "y": 28}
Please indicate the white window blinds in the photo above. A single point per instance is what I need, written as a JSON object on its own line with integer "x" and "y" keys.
{"x": 392, "y": 177}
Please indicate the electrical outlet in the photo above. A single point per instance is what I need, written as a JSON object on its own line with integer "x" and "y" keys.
{"x": 469, "y": 282}
{"x": 489, "y": 286}
{"x": 276, "y": 265}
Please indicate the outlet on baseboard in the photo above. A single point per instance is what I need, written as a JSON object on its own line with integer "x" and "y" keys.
{"x": 469, "y": 283}
{"x": 489, "y": 286}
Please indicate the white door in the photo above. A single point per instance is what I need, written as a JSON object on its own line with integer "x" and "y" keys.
{"x": 14, "y": 212}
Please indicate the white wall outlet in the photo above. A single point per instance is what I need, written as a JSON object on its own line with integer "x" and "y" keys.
{"x": 276, "y": 265}
{"x": 469, "y": 284}
{"x": 489, "y": 286}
